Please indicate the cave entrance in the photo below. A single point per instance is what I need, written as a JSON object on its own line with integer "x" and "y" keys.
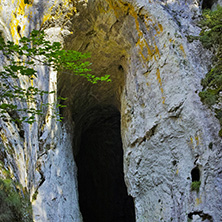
{"x": 102, "y": 191}
{"x": 92, "y": 113}
{"x": 207, "y": 4}
{"x": 195, "y": 174}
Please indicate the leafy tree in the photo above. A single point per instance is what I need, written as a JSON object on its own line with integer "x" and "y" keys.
{"x": 19, "y": 64}
{"x": 211, "y": 37}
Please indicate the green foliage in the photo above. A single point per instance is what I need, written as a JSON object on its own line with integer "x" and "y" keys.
{"x": 20, "y": 61}
{"x": 211, "y": 25}
{"x": 195, "y": 185}
{"x": 220, "y": 133}
{"x": 14, "y": 203}
{"x": 219, "y": 115}
{"x": 211, "y": 37}
{"x": 34, "y": 196}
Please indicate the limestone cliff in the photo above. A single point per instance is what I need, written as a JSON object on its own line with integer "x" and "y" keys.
{"x": 169, "y": 138}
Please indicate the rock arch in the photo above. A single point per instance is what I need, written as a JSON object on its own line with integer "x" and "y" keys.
{"x": 143, "y": 47}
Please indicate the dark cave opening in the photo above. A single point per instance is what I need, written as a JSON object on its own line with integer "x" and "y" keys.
{"x": 195, "y": 174}
{"x": 207, "y": 4}
{"x": 102, "y": 191}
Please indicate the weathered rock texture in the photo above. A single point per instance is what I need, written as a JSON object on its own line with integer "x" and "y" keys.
{"x": 166, "y": 131}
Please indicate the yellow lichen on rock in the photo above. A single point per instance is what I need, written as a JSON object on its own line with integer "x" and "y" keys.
{"x": 161, "y": 85}
{"x": 4, "y": 138}
{"x": 198, "y": 201}
{"x": 197, "y": 140}
{"x": 191, "y": 143}
{"x": 23, "y": 13}
{"x": 64, "y": 11}
{"x": 182, "y": 49}
{"x": 1, "y": 8}
{"x": 177, "y": 171}
{"x": 143, "y": 43}
{"x": 19, "y": 17}
{"x": 160, "y": 27}
{"x": 146, "y": 51}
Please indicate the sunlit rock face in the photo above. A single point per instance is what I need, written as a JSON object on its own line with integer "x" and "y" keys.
{"x": 39, "y": 156}
{"x": 168, "y": 138}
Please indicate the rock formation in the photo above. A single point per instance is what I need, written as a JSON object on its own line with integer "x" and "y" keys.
{"x": 169, "y": 138}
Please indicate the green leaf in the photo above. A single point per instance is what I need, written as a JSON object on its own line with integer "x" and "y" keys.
{"x": 21, "y": 60}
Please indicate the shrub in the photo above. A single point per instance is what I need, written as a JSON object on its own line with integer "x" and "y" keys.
{"x": 211, "y": 37}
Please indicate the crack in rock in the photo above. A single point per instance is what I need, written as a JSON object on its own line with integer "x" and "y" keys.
{"x": 147, "y": 136}
{"x": 205, "y": 217}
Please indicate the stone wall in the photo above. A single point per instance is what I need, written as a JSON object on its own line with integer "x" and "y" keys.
{"x": 156, "y": 73}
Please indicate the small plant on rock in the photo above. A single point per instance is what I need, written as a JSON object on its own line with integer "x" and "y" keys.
{"x": 195, "y": 185}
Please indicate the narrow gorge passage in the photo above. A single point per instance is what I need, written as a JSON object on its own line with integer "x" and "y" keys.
{"x": 102, "y": 191}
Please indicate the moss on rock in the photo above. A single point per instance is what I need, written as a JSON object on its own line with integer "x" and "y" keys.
{"x": 195, "y": 186}
{"x": 14, "y": 202}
